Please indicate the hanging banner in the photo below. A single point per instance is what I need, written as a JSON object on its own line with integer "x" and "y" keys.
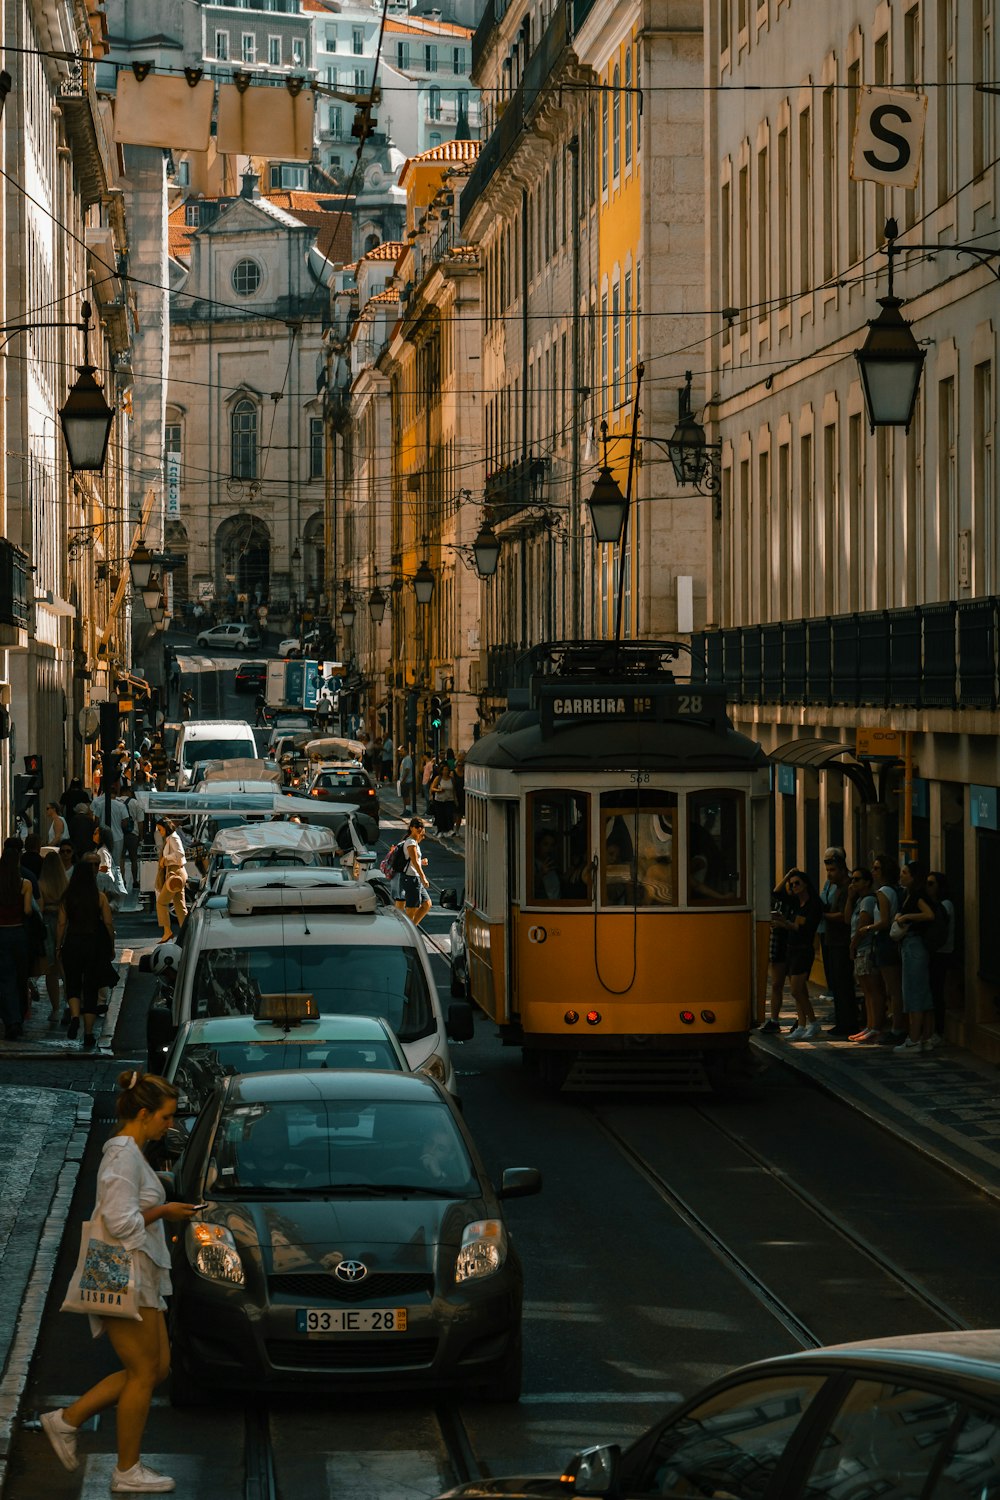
{"x": 889, "y": 138}
{"x": 173, "y": 467}
{"x": 266, "y": 122}
{"x": 164, "y": 112}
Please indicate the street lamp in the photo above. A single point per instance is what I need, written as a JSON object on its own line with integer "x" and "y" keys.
{"x": 141, "y": 566}
{"x": 423, "y": 583}
{"x": 692, "y": 458}
{"x": 347, "y": 613}
{"x": 608, "y": 506}
{"x": 86, "y": 421}
{"x": 152, "y": 593}
{"x": 157, "y": 611}
{"x": 376, "y": 605}
{"x": 890, "y": 360}
{"x": 486, "y": 551}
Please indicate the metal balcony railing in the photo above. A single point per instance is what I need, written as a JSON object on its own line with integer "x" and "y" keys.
{"x": 931, "y": 656}
{"x": 14, "y": 576}
{"x": 500, "y": 673}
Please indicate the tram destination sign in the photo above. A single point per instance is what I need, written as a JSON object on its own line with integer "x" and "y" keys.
{"x": 566, "y": 702}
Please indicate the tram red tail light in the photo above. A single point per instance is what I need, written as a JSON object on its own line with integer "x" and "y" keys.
{"x": 708, "y": 1016}
{"x": 571, "y": 1017}
{"x": 593, "y": 1018}
{"x": 687, "y": 1016}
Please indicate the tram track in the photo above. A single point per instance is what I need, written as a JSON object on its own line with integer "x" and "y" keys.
{"x": 835, "y": 1233}
{"x": 455, "y": 1463}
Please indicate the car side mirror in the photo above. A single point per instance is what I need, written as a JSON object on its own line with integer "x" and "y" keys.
{"x": 449, "y": 897}
{"x": 595, "y": 1471}
{"x": 460, "y": 1026}
{"x": 520, "y": 1182}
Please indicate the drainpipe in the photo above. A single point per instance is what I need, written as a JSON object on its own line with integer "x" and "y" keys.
{"x": 574, "y": 541}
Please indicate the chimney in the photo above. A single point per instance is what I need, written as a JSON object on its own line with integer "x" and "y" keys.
{"x": 249, "y": 188}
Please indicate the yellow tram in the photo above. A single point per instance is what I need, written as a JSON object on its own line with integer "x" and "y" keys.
{"x": 617, "y": 871}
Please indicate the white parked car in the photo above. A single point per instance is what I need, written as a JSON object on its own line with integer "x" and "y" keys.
{"x": 231, "y": 637}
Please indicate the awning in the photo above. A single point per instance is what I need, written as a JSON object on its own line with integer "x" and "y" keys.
{"x": 828, "y": 755}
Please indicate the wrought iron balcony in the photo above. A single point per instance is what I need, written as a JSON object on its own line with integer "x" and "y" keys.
{"x": 931, "y": 656}
{"x": 515, "y": 487}
{"x": 495, "y": 151}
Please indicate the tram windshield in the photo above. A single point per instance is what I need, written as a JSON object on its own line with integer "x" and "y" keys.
{"x": 716, "y": 872}
{"x": 637, "y": 849}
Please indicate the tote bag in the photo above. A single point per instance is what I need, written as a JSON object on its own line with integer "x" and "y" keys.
{"x": 103, "y": 1283}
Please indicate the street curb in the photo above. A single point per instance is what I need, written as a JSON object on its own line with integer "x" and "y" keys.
{"x": 924, "y": 1147}
{"x": 22, "y": 1349}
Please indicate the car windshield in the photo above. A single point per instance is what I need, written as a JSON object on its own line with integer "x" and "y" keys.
{"x": 357, "y": 1147}
{"x": 201, "y": 1065}
{"x": 331, "y": 780}
{"x": 199, "y": 749}
{"x": 347, "y": 979}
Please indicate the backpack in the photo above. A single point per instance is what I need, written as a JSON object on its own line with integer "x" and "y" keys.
{"x": 395, "y": 861}
{"x": 935, "y": 933}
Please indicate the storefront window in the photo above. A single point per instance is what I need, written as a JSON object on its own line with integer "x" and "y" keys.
{"x": 716, "y": 839}
{"x": 637, "y": 848}
{"x": 559, "y": 861}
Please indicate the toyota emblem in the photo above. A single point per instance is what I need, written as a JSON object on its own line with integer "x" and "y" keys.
{"x": 351, "y": 1270}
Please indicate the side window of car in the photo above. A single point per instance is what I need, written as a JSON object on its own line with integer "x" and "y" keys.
{"x": 730, "y": 1446}
{"x": 884, "y": 1439}
{"x": 971, "y": 1470}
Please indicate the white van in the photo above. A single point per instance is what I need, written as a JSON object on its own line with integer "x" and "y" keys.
{"x": 211, "y": 739}
{"x": 316, "y": 936}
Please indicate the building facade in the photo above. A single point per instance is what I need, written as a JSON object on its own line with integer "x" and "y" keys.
{"x": 856, "y": 575}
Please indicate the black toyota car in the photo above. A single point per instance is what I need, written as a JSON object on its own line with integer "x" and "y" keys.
{"x": 351, "y": 1239}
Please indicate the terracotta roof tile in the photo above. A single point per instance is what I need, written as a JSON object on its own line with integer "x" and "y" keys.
{"x": 427, "y": 27}
{"x": 388, "y": 250}
{"x": 451, "y": 151}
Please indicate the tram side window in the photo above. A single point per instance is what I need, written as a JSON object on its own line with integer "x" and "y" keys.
{"x": 716, "y": 865}
{"x": 637, "y": 849}
{"x": 558, "y": 847}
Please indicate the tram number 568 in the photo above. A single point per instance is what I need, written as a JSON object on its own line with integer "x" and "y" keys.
{"x": 639, "y": 778}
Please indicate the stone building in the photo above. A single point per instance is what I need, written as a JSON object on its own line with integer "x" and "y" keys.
{"x": 858, "y": 573}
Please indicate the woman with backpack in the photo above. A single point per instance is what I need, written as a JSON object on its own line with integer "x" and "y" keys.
{"x": 914, "y": 919}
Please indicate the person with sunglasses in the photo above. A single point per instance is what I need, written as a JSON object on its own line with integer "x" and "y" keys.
{"x": 801, "y": 927}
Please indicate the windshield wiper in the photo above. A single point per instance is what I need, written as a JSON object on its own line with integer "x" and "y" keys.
{"x": 374, "y": 1190}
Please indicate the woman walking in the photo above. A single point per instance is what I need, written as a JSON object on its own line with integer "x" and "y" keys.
{"x": 52, "y": 884}
{"x": 85, "y": 938}
{"x": 782, "y": 905}
{"x": 801, "y": 928}
{"x": 862, "y": 911}
{"x": 416, "y": 891}
{"x": 15, "y": 906}
{"x": 443, "y": 801}
{"x": 131, "y": 1200}
{"x": 915, "y": 914}
{"x": 170, "y": 879}
{"x": 58, "y": 827}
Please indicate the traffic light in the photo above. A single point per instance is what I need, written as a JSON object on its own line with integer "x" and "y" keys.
{"x": 24, "y": 793}
{"x": 34, "y": 773}
{"x": 435, "y": 712}
{"x": 110, "y": 730}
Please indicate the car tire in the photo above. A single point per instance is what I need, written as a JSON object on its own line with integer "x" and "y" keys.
{"x": 504, "y": 1389}
{"x": 202, "y": 641}
{"x": 459, "y": 985}
{"x": 241, "y": 645}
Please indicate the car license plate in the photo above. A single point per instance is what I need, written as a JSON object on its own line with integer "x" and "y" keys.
{"x": 350, "y": 1320}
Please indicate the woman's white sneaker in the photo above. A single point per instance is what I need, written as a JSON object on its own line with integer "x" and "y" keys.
{"x": 797, "y": 1033}
{"x": 62, "y": 1437}
{"x": 909, "y": 1048}
{"x": 140, "y": 1481}
{"x": 813, "y": 1029}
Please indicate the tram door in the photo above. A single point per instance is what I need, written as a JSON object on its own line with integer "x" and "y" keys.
{"x": 512, "y": 857}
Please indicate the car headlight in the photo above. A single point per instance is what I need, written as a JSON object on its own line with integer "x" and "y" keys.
{"x": 213, "y": 1253}
{"x": 434, "y": 1068}
{"x": 483, "y": 1252}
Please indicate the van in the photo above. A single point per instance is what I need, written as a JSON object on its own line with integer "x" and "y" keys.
{"x": 317, "y": 935}
{"x": 211, "y": 739}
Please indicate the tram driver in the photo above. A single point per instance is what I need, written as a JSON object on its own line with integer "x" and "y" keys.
{"x": 548, "y": 883}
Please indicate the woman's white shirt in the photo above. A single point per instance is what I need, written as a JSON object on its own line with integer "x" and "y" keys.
{"x": 127, "y": 1184}
{"x": 413, "y": 866}
{"x": 173, "y": 850}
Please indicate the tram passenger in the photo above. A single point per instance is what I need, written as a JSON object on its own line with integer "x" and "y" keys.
{"x": 548, "y": 881}
{"x": 658, "y": 882}
{"x": 619, "y": 866}
{"x": 698, "y": 886}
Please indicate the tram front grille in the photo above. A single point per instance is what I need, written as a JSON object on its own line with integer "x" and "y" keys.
{"x": 636, "y": 1072}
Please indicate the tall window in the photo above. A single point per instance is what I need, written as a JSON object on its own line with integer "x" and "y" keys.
{"x": 458, "y": 61}
{"x": 402, "y": 55}
{"x": 297, "y": 52}
{"x": 805, "y": 200}
{"x": 616, "y": 127}
{"x": 358, "y": 40}
{"x": 984, "y": 533}
{"x": 616, "y": 342}
{"x": 638, "y": 98}
{"x": 881, "y": 68}
{"x": 430, "y": 58}
{"x": 855, "y": 561}
{"x": 274, "y": 51}
{"x": 330, "y": 39}
{"x": 222, "y": 46}
{"x": 854, "y": 190}
{"x": 628, "y": 335}
{"x": 604, "y": 354}
{"x": 243, "y": 427}
{"x": 947, "y": 508}
{"x": 913, "y": 71}
{"x": 434, "y": 103}
{"x": 984, "y": 108}
{"x": 829, "y": 166}
{"x": 726, "y": 247}
{"x": 628, "y": 105}
{"x": 604, "y": 140}
{"x": 172, "y": 437}
{"x": 763, "y": 232}
{"x": 336, "y": 120}
{"x": 317, "y": 448}
{"x": 743, "y": 210}
{"x": 249, "y": 47}
{"x": 947, "y": 98}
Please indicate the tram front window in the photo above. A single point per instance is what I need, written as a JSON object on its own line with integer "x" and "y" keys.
{"x": 637, "y": 849}
{"x": 715, "y": 848}
{"x": 559, "y": 869}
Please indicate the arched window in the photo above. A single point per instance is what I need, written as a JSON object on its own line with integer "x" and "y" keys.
{"x": 616, "y": 123}
{"x": 604, "y": 140}
{"x": 243, "y": 424}
{"x": 628, "y": 107}
{"x": 246, "y": 277}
